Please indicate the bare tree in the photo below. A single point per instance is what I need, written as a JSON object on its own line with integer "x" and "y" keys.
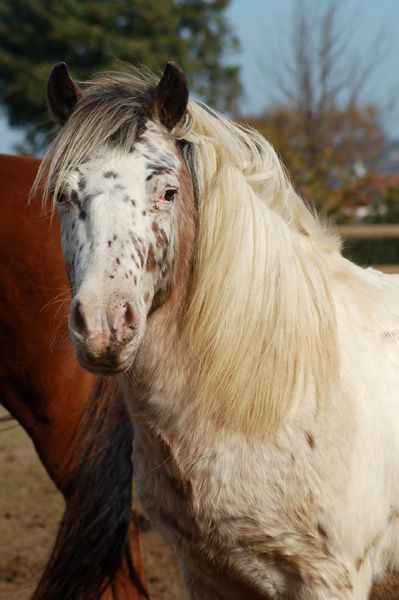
{"x": 319, "y": 89}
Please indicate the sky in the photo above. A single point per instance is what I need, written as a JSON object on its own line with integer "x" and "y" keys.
{"x": 262, "y": 28}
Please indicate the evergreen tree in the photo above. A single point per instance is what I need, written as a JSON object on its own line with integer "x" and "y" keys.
{"x": 102, "y": 35}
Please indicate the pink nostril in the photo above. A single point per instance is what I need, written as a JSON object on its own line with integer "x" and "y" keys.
{"x": 78, "y": 320}
{"x": 88, "y": 325}
{"x": 130, "y": 316}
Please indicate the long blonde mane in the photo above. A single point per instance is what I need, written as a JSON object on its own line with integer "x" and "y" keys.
{"x": 260, "y": 315}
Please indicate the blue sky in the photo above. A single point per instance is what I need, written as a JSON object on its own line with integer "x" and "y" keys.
{"x": 262, "y": 25}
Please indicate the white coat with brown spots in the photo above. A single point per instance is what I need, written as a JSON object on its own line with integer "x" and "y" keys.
{"x": 295, "y": 499}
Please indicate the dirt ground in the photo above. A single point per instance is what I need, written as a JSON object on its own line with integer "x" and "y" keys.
{"x": 30, "y": 508}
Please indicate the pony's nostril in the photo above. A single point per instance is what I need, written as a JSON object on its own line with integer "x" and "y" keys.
{"x": 130, "y": 317}
{"x": 78, "y": 320}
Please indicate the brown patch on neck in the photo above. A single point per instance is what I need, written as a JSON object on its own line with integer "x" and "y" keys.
{"x": 310, "y": 440}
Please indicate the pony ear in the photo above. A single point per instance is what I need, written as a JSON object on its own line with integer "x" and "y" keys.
{"x": 62, "y": 93}
{"x": 171, "y": 96}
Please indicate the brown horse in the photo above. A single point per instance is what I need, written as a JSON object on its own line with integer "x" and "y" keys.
{"x": 43, "y": 387}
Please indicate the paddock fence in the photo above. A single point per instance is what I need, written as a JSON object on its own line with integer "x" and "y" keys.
{"x": 371, "y": 232}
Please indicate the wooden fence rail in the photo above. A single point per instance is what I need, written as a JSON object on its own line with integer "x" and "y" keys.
{"x": 368, "y": 231}
{"x": 371, "y": 232}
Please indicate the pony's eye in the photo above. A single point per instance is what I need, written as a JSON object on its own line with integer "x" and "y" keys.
{"x": 60, "y": 198}
{"x": 170, "y": 194}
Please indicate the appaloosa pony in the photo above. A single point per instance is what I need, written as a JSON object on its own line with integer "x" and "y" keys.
{"x": 260, "y": 368}
{"x": 44, "y": 388}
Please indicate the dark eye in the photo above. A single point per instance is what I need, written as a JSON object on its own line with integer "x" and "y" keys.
{"x": 60, "y": 198}
{"x": 170, "y": 194}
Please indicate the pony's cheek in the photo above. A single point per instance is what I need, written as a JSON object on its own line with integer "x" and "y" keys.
{"x": 163, "y": 205}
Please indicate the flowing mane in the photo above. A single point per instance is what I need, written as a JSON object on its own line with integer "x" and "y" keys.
{"x": 260, "y": 313}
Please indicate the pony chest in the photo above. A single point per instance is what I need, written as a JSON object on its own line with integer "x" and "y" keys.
{"x": 240, "y": 525}
{"x": 205, "y": 507}
{"x": 227, "y": 532}
{"x": 187, "y": 497}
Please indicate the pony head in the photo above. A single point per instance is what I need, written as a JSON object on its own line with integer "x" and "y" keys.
{"x": 118, "y": 206}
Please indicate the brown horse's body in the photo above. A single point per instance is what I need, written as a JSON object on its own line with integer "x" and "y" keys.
{"x": 43, "y": 388}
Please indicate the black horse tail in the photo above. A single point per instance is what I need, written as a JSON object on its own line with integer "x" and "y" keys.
{"x": 93, "y": 537}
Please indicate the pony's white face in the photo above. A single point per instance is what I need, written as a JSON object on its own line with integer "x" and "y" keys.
{"x": 118, "y": 212}
{"x": 118, "y": 225}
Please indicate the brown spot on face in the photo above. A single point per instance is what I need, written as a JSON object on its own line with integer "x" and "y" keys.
{"x": 109, "y": 243}
{"x": 151, "y": 262}
{"x": 160, "y": 235}
{"x": 110, "y": 175}
{"x": 135, "y": 280}
{"x": 310, "y": 440}
{"x": 134, "y": 260}
{"x": 162, "y": 241}
{"x": 136, "y": 244}
{"x": 146, "y": 297}
{"x": 118, "y": 262}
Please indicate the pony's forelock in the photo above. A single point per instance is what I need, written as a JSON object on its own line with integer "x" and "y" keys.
{"x": 111, "y": 111}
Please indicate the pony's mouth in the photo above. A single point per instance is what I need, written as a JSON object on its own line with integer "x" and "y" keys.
{"x": 103, "y": 365}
